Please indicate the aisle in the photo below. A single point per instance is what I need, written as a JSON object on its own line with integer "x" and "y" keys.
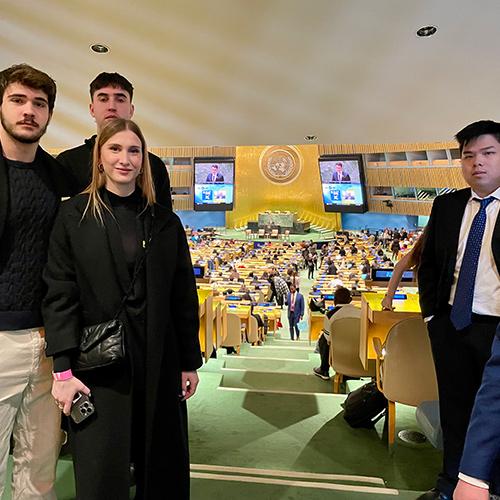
{"x": 264, "y": 426}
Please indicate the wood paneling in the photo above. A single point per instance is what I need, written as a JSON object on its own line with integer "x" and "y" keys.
{"x": 400, "y": 207}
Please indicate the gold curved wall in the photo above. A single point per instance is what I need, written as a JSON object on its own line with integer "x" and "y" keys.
{"x": 255, "y": 193}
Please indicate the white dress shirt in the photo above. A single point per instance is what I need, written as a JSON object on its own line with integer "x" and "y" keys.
{"x": 487, "y": 285}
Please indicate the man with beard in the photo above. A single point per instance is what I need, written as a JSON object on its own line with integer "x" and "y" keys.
{"x": 31, "y": 186}
{"x": 111, "y": 97}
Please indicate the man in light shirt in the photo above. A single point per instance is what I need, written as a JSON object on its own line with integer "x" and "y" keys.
{"x": 459, "y": 284}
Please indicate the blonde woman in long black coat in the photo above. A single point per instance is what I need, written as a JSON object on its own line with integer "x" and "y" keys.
{"x": 98, "y": 239}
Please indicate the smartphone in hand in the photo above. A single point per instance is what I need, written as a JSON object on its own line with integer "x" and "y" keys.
{"x": 81, "y": 408}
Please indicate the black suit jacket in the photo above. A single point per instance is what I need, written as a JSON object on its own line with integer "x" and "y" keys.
{"x": 79, "y": 161}
{"x": 345, "y": 177}
{"x": 218, "y": 178}
{"x": 439, "y": 255}
{"x": 59, "y": 180}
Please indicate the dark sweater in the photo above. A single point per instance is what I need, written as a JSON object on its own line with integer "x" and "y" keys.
{"x": 23, "y": 252}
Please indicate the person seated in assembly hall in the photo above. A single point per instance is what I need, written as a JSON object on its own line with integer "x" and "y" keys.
{"x": 342, "y": 309}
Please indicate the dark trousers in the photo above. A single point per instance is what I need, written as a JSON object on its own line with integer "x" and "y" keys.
{"x": 293, "y": 321}
{"x": 324, "y": 352}
{"x": 459, "y": 357}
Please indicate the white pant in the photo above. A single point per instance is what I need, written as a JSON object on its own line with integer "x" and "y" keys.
{"x": 28, "y": 413}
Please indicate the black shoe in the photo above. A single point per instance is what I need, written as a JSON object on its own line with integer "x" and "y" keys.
{"x": 434, "y": 494}
{"x": 320, "y": 374}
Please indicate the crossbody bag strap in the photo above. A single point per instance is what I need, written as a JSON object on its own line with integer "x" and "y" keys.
{"x": 137, "y": 270}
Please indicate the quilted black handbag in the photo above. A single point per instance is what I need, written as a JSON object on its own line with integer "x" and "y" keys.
{"x": 104, "y": 344}
{"x": 101, "y": 345}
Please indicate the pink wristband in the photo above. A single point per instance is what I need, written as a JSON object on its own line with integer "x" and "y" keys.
{"x": 61, "y": 376}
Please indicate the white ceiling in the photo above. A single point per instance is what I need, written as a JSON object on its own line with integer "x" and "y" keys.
{"x": 237, "y": 72}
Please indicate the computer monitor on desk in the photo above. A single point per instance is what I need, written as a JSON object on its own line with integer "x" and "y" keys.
{"x": 380, "y": 277}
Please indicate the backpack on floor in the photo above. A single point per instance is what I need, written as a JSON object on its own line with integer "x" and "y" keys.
{"x": 365, "y": 406}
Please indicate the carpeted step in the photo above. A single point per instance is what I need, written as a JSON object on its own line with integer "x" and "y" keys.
{"x": 282, "y": 353}
{"x": 270, "y": 364}
{"x": 280, "y": 382}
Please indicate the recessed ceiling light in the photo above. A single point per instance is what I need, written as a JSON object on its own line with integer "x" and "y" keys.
{"x": 426, "y": 31}
{"x": 310, "y": 137}
{"x": 99, "y": 48}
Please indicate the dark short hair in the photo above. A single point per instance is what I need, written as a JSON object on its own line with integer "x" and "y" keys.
{"x": 29, "y": 77}
{"x": 476, "y": 129}
{"x": 342, "y": 296}
{"x": 110, "y": 80}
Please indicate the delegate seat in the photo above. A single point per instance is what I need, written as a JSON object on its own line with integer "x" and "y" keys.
{"x": 344, "y": 351}
{"x": 405, "y": 368}
{"x": 233, "y": 336}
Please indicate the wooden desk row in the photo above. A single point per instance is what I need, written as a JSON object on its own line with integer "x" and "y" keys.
{"x": 213, "y": 313}
{"x": 374, "y": 321}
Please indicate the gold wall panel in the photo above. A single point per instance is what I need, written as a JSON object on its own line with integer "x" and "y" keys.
{"x": 255, "y": 193}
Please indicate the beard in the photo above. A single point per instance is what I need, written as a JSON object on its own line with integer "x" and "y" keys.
{"x": 32, "y": 138}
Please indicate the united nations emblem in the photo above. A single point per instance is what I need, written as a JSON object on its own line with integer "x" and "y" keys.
{"x": 280, "y": 164}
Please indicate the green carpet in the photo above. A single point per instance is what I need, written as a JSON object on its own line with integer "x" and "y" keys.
{"x": 239, "y": 431}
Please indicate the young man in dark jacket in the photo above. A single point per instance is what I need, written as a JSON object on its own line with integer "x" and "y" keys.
{"x": 111, "y": 97}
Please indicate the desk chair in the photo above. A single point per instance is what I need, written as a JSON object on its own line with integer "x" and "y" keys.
{"x": 405, "y": 368}
{"x": 253, "y": 331}
{"x": 233, "y": 337}
{"x": 344, "y": 351}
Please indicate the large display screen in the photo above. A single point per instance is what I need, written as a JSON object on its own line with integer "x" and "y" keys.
{"x": 213, "y": 184}
{"x": 343, "y": 183}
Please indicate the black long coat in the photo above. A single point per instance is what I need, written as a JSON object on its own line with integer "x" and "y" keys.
{"x": 87, "y": 277}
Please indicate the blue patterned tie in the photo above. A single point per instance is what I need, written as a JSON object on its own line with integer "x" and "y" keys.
{"x": 461, "y": 311}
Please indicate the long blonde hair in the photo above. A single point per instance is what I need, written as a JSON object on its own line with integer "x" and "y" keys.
{"x": 95, "y": 202}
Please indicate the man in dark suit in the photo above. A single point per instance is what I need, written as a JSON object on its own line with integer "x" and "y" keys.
{"x": 111, "y": 97}
{"x": 459, "y": 284}
{"x": 482, "y": 445}
{"x": 295, "y": 301}
{"x": 339, "y": 175}
{"x": 31, "y": 186}
{"x": 214, "y": 175}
